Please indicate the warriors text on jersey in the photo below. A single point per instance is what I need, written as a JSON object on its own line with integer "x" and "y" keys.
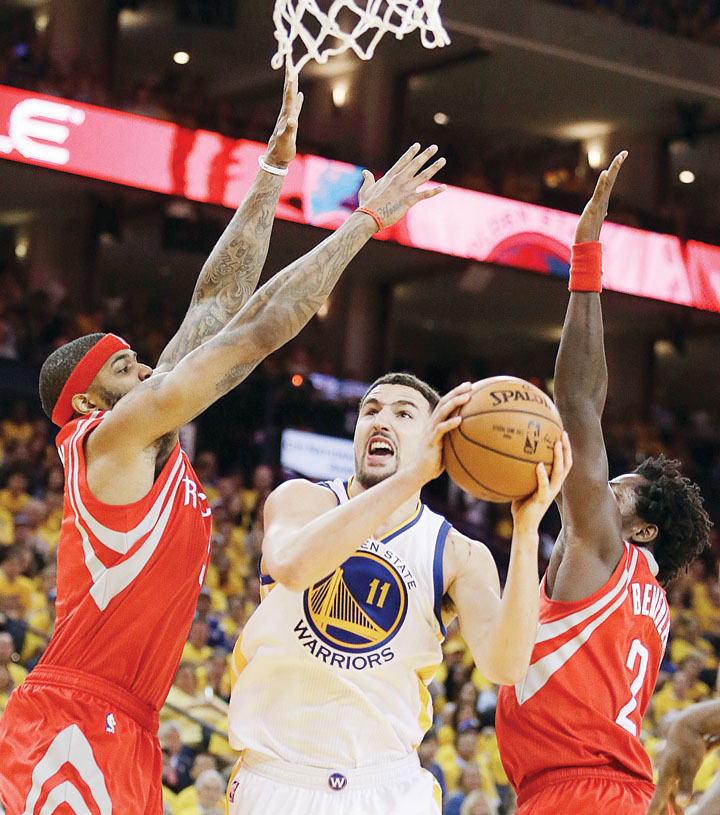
{"x": 337, "y": 675}
{"x": 128, "y": 576}
{"x": 577, "y": 713}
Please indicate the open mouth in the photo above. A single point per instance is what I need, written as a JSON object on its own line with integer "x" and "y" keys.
{"x": 379, "y": 449}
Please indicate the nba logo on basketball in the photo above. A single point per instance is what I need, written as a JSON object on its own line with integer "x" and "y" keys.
{"x": 337, "y": 782}
{"x": 233, "y": 790}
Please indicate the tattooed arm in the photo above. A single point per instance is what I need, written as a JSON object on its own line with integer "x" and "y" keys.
{"x": 230, "y": 274}
{"x": 272, "y": 316}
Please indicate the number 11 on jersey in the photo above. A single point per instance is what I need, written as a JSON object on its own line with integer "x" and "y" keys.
{"x": 383, "y": 593}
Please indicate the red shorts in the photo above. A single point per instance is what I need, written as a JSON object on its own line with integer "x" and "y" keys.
{"x": 588, "y": 795}
{"x": 69, "y": 737}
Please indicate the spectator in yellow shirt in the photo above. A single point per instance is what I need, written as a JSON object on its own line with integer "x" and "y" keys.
{"x": 13, "y": 584}
{"x": 17, "y": 428}
{"x": 206, "y": 469}
{"x": 196, "y": 649}
{"x": 8, "y": 659}
{"x": 234, "y": 622}
{"x": 6, "y": 687}
{"x": 187, "y": 799}
{"x": 15, "y": 495}
{"x": 7, "y": 527}
{"x": 210, "y": 788}
{"x": 674, "y": 695}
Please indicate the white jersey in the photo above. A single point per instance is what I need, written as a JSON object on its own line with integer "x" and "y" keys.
{"x": 337, "y": 675}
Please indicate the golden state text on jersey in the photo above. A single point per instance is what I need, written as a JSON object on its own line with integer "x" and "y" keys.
{"x": 352, "y": 654}
{"x": 354, "y": 612}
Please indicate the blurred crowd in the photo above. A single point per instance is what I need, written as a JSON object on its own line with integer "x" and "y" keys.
{"x": 237, "y": 462}
{"x": 555, "y": 175}
{"x": 697, "y": 19}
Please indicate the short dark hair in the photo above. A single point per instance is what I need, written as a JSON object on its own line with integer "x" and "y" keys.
{"x": 673, "y": 503}
{"x": 410, "y": 381}
{"x": 57, "y": 368}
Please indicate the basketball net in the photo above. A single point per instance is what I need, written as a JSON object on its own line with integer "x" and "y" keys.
{"x": 371, "y": 17}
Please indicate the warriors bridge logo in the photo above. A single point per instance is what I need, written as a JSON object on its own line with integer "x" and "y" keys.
{"x": 360, "y": 606}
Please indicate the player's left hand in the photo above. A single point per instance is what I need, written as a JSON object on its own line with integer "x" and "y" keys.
{"x": 528, "y": 512}
{"x": 281, "y": 147}
{"x": 681, "y": 759}
{"x": 429, "y": 462}
{"x": 593, "y": 216}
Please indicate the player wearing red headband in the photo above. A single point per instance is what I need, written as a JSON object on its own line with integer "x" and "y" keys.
{"x": 80, "y": 733}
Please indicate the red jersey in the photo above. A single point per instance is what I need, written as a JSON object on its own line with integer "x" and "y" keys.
{"x": 578, "y": 710}
{"x": 128, "y": 576}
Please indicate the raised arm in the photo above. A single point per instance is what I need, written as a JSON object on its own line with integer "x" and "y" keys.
{"x": 588, "y": 509}
{"x": 500, "y": 631}
{"x": 687, "y": 742}
{"x": 231, "y": 272}
{"x": 273, "y": 315}
{"x": 302, "y": 545}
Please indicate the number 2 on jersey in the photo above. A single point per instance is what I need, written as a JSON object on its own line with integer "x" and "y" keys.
{"x": 637, "y": 649}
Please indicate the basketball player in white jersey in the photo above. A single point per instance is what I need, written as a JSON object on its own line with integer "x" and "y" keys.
{"x": 330, "y": 694}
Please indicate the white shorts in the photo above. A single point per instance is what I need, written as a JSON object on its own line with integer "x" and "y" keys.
{"x": 264, "y": 785}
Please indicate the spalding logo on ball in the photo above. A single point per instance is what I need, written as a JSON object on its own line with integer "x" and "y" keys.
{"x": 508, "y": 426}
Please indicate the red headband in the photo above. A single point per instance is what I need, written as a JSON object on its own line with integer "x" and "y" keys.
{"x": 83, "y": 374}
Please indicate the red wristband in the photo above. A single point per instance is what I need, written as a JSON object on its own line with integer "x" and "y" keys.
{"x": 586, "y": 267}
{"x": 378, "y": 220}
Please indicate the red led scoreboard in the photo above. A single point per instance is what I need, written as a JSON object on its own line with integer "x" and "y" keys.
{"x": 202, "y": 166}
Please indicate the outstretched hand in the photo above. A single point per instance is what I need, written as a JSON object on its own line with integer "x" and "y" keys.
{"x": 393, "y": 195}
{"x": 528, "y": 512}
{"x": 593, "y": 216}
{"x": 281, "y": 147}
{"x": 681, "y": 759}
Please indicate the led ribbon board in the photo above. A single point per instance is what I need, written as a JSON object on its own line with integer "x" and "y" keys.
{"x": 202, "y": 166}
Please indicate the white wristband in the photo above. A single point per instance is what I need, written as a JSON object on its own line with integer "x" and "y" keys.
{"x": 269, "y": 168}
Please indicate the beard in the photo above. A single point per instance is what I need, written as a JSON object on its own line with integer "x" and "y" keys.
{"x": 370, "y": 479}
{"x": 110, "y": 398}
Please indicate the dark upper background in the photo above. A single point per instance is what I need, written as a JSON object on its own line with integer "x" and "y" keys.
{"x": 532, "y": 93}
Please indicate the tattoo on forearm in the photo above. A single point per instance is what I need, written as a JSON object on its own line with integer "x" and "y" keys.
{"x": 285, "y": 304}
{"x": 231, "y": 273}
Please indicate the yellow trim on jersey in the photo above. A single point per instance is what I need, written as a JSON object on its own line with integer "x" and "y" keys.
{"x": 406, "y": 522}
{"x": 395, "y": 529}
{"x": 425, "y": 675}
{"x": 266, "y": 588}
{"x": 235, "y": 771}
{"x": 238, "y": 663}
{"x": 437, "y": 794}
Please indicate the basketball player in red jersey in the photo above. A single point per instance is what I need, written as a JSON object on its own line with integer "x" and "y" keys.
{"x": 568, "y": 732}
{"x": 80, "y": 733}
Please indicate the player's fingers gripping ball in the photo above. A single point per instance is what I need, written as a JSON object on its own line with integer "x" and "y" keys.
{"x": 507, "y": 427}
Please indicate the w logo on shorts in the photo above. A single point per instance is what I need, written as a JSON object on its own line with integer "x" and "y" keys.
{"x": 69, "y": 747}
{"x": 233, "y": 789}
{"x": 337, "y": 782}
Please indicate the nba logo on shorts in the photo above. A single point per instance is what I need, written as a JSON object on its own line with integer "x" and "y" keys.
{"x": 337, "y": 782}
{"x": 233, "y": 790}
{"x": 109, "y": 723}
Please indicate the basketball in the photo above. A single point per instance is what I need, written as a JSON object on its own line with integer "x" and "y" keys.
{"x": 508, "y": 426}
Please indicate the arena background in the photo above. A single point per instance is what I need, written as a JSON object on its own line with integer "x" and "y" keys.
{"x": 529, "y": 101}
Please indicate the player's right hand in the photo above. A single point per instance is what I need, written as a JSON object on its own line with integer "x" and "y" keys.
{"x": 281, "y": 147}
{"x": 393, "y": 195}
